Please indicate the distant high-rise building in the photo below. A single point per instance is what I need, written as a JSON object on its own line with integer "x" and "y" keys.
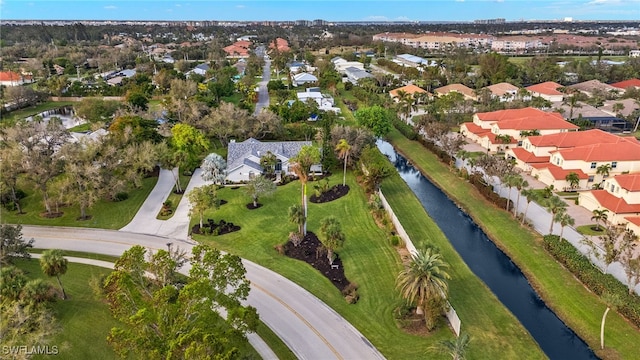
{"x": 490, "y": 21}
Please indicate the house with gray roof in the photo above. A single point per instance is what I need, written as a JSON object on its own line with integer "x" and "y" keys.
{"x": 243, "y": 158}
{"x": 355, "y": 74}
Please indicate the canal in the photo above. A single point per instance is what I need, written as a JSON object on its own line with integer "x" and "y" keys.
{"x": 491, "y": 265}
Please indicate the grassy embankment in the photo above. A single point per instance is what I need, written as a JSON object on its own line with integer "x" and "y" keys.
{"x": 34, "y": 110}
{"x": 569, "y": 299}
{"x": 372, "y": 263}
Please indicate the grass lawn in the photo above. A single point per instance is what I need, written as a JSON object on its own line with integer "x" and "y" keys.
{"x": 34, "y": 110}
{"x": 235, "y": 98}
{"x": 80, "y": 254}
{"x": 371, "y": 262}
{"x": 175, "y": 198}
{"x": 106, "y": 214}
{"x": 81, "y": 128}
{"x": 569, "y": 299}
{"x": 587, "y": 230}
{"x": 84, "y": 321}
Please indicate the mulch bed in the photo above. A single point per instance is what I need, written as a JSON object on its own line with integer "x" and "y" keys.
{"x": 51, "y": 215}
{"x": 153, "y": 173}
{"x": 336, "y": 192}
{"x": 251, "y": 207}
{"x": 307, "y": 252}
{"x": 223, "y": 227}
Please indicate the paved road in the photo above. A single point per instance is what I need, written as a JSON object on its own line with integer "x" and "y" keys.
{"x": 309, "y": 327}
{"x": 263, "y": 92}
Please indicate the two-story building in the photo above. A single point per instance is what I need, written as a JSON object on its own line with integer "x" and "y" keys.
{"x": 620, "y": 195}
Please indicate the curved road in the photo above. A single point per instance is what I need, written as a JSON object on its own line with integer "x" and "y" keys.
{"x": 310, "y": 328}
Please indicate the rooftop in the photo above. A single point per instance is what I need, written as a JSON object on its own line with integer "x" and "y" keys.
{"x": 573, "y": 138}
{"x": 625, "y": 149}
{"x": 629, "y": 182}
{"x": 614, "y": 204}
{"x": 627, "y": 83}
{"x": 409, "y": 89}
{"x": 546, "y": 88}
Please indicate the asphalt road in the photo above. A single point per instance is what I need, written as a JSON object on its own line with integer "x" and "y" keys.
{"x": 309, "y": 327}
{"x": 263, "y": 92}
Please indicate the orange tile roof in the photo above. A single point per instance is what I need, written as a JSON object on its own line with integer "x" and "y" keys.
{"x": 623, "y": 150}
{"x": 475, "y": 129}
{"x": 410, "y": 89}
{"x": 456, "y": 87}
{"x": 627, "y": 83}
{"x": 9, "y": 76}
{"x": 528, "y": 157}
{"x": 515, "y": 114}
{"x": 614, "y": 204}
{"x": 573, "y": 138}
{"x": 559, "y": 173}
{"x": 633, "y": 219}
{"x": 546, "y": 88}
{"x": 629, "y": 182}
{"x": 281, "y": 44}
{"x": 537, "y": 123}
{"x": 493, "y": 140}
{"x": 501, "y": 88}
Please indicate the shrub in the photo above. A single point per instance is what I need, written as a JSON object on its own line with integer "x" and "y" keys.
{"x": 121, "y": 196}
{"x": 592, "y": 277}
{"x": 404, "y": 128}
{"x": 350, "y": 293}
{"x": 279, "y": 248}
{"x": 396, "y": 240}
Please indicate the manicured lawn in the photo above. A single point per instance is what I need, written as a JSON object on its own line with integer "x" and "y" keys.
{"x": 34, "y": 110}
{"x": 587, "y": 230}
{"x": 372, "y": 263}
{"x": 81, "y": 128}
{"x": 575, "y": 305}
{"x": 84, "y": 320}
{"x": 80, "y": 254}
{"x": 106, "y": 214}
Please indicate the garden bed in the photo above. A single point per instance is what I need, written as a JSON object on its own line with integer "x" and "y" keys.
{"x": 213, "y": 228}
{"x": 336, "y": 192}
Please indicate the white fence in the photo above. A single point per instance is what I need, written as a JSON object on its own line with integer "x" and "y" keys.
{"x": 452, "y": 316}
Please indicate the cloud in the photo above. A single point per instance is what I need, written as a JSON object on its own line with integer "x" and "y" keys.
{"x": 240, "y": 6}
{"x": 376, "y": 18}
{"x": 603, "y": 2}
{"x": 459, "y": 0}
{"x": 110, "y": 7}
{"x": 178, "y": 5}
{"x": 402, "y": 18}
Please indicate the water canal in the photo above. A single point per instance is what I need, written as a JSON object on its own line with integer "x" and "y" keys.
{"x": 493, "y": 266}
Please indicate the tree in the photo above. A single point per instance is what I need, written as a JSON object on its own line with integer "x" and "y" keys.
{"x": 603, "y": 170}
{"x": 598, "y": 216}
{"x": 510, "y": 180}
{"x": 612, "y": 301}
{"x": 171, "y": 320}
{"x": 424, "y": 282}
{"x": 573, "y": 102}
{"x": 259, "y": 186}
{"x": 201, "y": 199}
{"x": 54, "y": 264}
{"x": 12, "y": 245}
{"x": 301, "y": 165}
{"x": 137, "y": 100}
{"x": 268, "y": 163}
{"x": 612, "y": 249}
{"x": 343, "y": 148}
{"x": 520, "y": 183}
{"x": 296, "y": 216}
{"x": 555, "y": 205}
{"x": 629, "y": 259}
{"x": 332, "y": 236}
{"x": 189, "y": 140}
{"x": 573, "y": 179}
{"x": 83, "y": 182}
{"x": 214, "y": 168}
{"x": 455, "y": 348}
{"x": 375, "y": 118}
{"x": 12, "y": 160}
{"x": 375, "y": 166}
{"x": 530, "y": 195}
{"x": 565, "y": 220}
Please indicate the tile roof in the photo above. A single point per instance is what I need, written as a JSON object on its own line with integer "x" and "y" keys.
{"x": 475, "y": 129}
{"x": 492, "y": 138}
{"x": 9, "y": 76}
{"x": 511, "y": 114}
{"x": 536, "y": 123}
{"x": 529, "y": 157}
{"x": 238, "y": 152}
{"x": 410, "y": 89}
{"x": 629, "y": 182}
{"x": 614, "y": 204}
{"x": 627, "y": 83}
{"x": 629, "y": 106}
{"x": 501, "y": 88}
{"x": 573, "y": 138}
{"x": 625, "y": 149}
{"x": 546, "y": 88}
{"x": 633, "y": 219}
{"x": 559, "y": 173}
{"x": 456, "y": 87}
{"x": 591, "y": 85}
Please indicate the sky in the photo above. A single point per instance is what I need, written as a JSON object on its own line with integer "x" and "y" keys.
{"x": 330, "y": 10}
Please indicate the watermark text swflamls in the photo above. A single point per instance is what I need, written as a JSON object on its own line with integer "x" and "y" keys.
{"x": 29, "y": 350}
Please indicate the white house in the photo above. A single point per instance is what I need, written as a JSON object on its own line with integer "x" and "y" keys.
{"x": 303, "y": 78}
{"x": 243, "y": 158}
{"x": 325, "y": 102}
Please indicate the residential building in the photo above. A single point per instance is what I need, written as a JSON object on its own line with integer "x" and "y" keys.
{"x": 515, "y": 44}
{"x": 468, "y": 93}
{"x": 239, "y": 49}
{"x": 503, "y": 91}
{"x": 631, "y": 83}
{"x": 547, "y": 90}
{"x": 303, "y": 78}
{"x": 200, "y": 69}
{"x": 10, "y": 78}
{"x": 280, "y": 44}
{"x": 593, "y": 87}
{"x": 620, "y": 195}
{"x": 413, "y": 61}
{"x": 325, "y": 102}
{"x": 626, "y": 107}
{"x": 354, "y": 74}
{"x": 410, "y": 89}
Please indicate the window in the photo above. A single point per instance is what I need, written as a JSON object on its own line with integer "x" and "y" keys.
{"x": 593, "y": 165}
{"x": 614, "y": 164}
{"x": 613, "y": 188}
{"x": 590, "y": 178}
{"x": 278, "y": 165}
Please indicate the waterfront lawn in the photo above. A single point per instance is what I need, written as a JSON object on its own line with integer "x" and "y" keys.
{"x": 105, "y": 214}
{"x": 569, "y": 299}
{"x": 37, "y": 109}
{"x": 371, "y": 262}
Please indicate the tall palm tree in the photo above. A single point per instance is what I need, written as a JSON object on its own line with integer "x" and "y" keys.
{"x": 520, "y": 184}
{"x": 301, "y": 166}
{"x": 530, "y": 195}
{"x": 598, "y": 216}
{"x": 603, "y": 170}
{"x": 296, "y": 216}
{"x": 555, "y": 205}
{"x": 455, "y": 348}
{"x": 54, "y": 264}
{"x": 343, "y": 148}
{"x": 332, "y": 235}
{"x": 573, "y": 179}
{"x": 510, "y": 180}
{"x": 424, "y": 282}
{"x": 565, "y": 220}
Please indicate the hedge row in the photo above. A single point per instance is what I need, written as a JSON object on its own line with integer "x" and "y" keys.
{"x": 592, "y": 277}
{"x": 405, "y": 129}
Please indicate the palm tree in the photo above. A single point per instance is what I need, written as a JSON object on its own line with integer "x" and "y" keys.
{"x": 455, "y": 348}
{"x": 520, "y": 184}
{"x": 530, "y": 194}
{"x": 555, "y": 205}
{"x": 573, "y": 179}
{"x": 301, "y": 166}
{"x": 36, "y": 291}
{"x": 565, "y": 220}
{"x": 572, "y": 101}
{"x": 343, "y": 148}
{"x": 332, "y": 235}
{"x": 510, "y": 180}
{"x": 599, "y": 215}
{"x": 296, "y": 216}
{"x": 603, "y": 170}
{"x": 424, "y": 282}
{"x": 613, "y": 301}
{"x": 54, "y": 264}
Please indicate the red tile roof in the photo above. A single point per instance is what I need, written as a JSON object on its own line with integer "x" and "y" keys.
{"x": 282, "y": 44}
{"x": 493, "y": 140}
{"x": 623, "y": 150}
{"x": 573, "y": 138}
{"x": 239, "y": 48}
{"x": 559, "y": 173}
{"x": 546, "y": 88}
{"x": 501, "y": 88}
{"x": 9, "y": 76}
{"x": 629, "y": 182}
{"x": 456, "y": 87}
{"x": 537, "y": 123}
{"x": 614, "y": 204}
{"x": 410, "y": 89}
{"x": 627, "y": 83}
{"x": 509, "y": 114}
{"x": 475, "y": 129}
{"x": 528, "y": 157}
{"x": 633, "y": 219}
